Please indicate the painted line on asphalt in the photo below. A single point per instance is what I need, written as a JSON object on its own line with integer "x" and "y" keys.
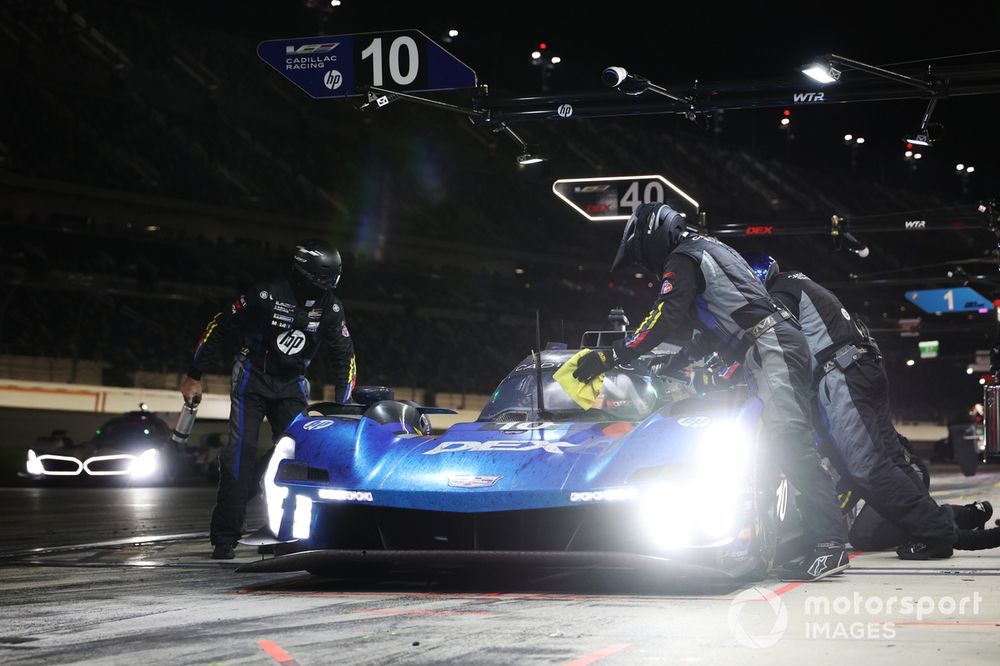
{"x": 275, "y": 652}
{"x": 956, "y": 623}
{"x": 390, "y": 611}
{"x": 598, "y": 655}
{"x": 126, "y": 541}
{"x": 905, "y": 571}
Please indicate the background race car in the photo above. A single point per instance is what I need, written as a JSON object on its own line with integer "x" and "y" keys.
{"x": 134, "y": 448}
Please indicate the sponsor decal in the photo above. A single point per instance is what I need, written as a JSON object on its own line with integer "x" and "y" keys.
{"x": 333, "y": 79}
{"x": 317, "y": 425}
{"x": 472, "y": 481}
{"x": 669, "y": 274}
{"x": 597, "y": 208}
{"x": 915, "y": 224}
{"x": 555, "y": 448}
{"x": 316, "y": 313}
{"x": 264, "y": 295}
{"x": 759, "y": 231}
{"x": 304, "y": 250}
{"x": 308, "y": 49}
{"x": 281, "y": 317}
{"x": 311, "y": 302}
{"x": 781, "y": 500}
{"x": 291, "y": 342}
{"x": 239, "y": 304}
{"x": 312, "y": 327}
{"x": 845, "y": 313}
{"x": 336, "y": 308}
{"x": 280, "y": 324}
{"x": 344, "y": 332}
{"x": 565, "y": 110}
{"x": 694, "y": 421}
{"x": 586, "y": 189}
{"x": 666, "y": 288}
{"x": 310, "y": 56}
{"x": 809, "y": 97}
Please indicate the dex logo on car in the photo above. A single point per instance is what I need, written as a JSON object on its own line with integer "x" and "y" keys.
{"x": 555, "y": 448}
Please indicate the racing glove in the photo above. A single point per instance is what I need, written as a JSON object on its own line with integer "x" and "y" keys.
{"x": 591, "y": 365}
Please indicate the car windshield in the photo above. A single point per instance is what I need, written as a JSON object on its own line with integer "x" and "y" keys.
{"x": 128, "y": 431}
{"x": 628, "y": 395}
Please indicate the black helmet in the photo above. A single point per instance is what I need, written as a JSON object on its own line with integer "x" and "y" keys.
{"x": 652, "y": 232}
{"x": 318, "y": 262}
{"x": 763, "y": 266}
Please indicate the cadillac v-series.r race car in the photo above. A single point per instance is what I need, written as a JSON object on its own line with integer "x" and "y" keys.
{"x": 656, "y": 474}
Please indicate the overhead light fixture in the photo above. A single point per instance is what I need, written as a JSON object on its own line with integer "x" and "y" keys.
{"x": 860, "y": 140}
{"x": 959, "y": 167}
{"x": 970, "y": 169}
{"x": 535, "y": 55}
{"x": 528, "y": 158}
{"x": 910, "y": 362}
{"x": 848, "y": 137}
{"x": 453, "y": 33}
{"x": 917, "y": 156}
{"x": 822, "y": 72}
{"x": 556, "y": 60}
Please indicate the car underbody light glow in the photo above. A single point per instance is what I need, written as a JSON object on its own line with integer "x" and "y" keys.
{"x": 302, "y": 518}
{"x": 345, "y": 495}
{"x": 609, "y": 495}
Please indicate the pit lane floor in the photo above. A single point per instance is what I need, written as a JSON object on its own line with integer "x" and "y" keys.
{"x": 114, "y": 576}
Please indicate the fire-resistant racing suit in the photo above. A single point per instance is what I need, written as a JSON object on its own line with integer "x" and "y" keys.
{"x": 279, "y": 334}
{"x": 855, "y": 423}
{"x": 707, "y": 286}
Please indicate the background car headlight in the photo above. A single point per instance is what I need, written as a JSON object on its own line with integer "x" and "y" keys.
{"x": 34, "y": 465}
{"x": 146, "y": 464}
{"x": 274, "y": 495}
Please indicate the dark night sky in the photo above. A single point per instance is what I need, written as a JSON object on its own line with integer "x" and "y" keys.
{"x": 677, "y": 43}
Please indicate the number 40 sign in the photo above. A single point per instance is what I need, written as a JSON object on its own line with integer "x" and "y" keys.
{"x": 345, "y": 65}
{"x": 610, "y": 198}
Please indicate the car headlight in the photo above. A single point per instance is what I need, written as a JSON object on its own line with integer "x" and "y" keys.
{"x": 274, "y": 495}
{"x": 705, "y": 507}
{"x": 724, "y": 453}
{"x": 145, "y": 464}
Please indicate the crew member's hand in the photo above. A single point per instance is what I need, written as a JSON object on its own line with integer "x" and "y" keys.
{"x": 591, "y": 365}
{"x": 191, "y": 390}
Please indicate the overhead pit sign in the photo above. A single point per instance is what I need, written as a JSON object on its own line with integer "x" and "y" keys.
{"x": 345, "y": 65}
{"x": 611, "y": 198}
{"x": 957, "y": 299}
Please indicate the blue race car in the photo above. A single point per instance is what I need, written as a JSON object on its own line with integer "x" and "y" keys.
{"x": 655, "y": 475}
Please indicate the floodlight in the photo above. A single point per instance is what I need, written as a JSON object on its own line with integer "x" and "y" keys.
{"x": 528, "y": 158}
{"x": 822, "y": 72}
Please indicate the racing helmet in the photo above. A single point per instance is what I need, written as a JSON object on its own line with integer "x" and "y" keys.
{"x": 763, "y": 266}
{"x": 652, "y": 232}
{"x": 318, "y": 262}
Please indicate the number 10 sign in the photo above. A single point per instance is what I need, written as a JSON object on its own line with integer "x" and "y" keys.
{"x": 344, "y": 65}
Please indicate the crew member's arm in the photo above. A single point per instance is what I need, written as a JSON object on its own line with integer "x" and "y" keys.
{"x": 219, "y": 329}
{"x": 669, "y": 320}
{"x": 338, "y": 339}
{"x": 788, "y": 299}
